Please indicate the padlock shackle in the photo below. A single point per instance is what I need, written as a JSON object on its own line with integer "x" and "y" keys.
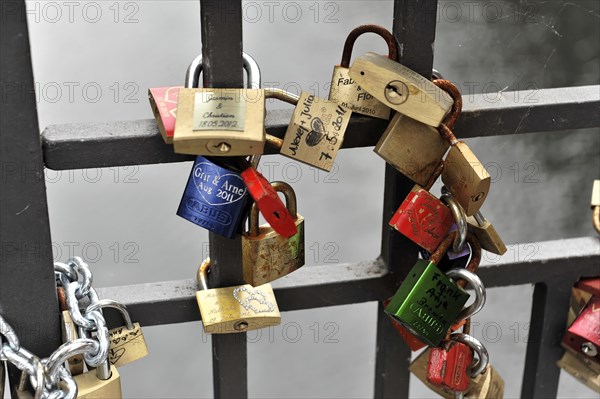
{"x": 202, "y": 274}
{"x": 483, "y": 360}
{"x": 475, "y": 282}
{"x": 460, "y": 218}
{"x": 369, "y": 28}
{"x": 110, "y": 303}
{"x": 273, "y": 141}
{"x": 454, "y": 92}
{"x": 290, "y": 202}
{"x": 280, "y": 94}
{"x": 67, "y": 350}
{"x": 192, "y": 76}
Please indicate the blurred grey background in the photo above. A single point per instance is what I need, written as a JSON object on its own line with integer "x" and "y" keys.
{"x": 94, "y": 61}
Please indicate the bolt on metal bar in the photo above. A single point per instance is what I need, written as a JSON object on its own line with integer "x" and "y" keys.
{"x": 27, "y": 289}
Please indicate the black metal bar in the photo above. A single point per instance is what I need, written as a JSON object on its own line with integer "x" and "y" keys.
{"x": 90, "y": 145}
{"x": 221, "y": 23}
{"x": 548, "y": 324}
{"x": 27, "y": 288}
{"x": 414, "y": 29}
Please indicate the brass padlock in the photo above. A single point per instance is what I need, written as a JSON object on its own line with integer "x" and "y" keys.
{"x": 345, "y": 91}
{"x": 127, "y": 343}
{"x": 224, "y": 122}
{"x": 573, "y": 365}
{"x": 101, "y": 383}
{"x": 487, "y": 385}
{"x": 486, "y": 234}
{"x": 69, "y": 334}
{"x": 267, "y": 255}
{"x": 595, "y": 205}
{"x": 413, "y": 148}
{"x": 235, "y": 309}
{"x": 401, "y": 89}
{"x": 316, "y": 131}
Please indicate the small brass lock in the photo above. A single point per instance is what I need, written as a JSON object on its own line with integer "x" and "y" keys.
{"x": 235, "y": 309}
{"x": 267, "y": 255}
{"x": 126, "y": 343}
{"x": 573, "y": 365}
{"x": 223, "y": 122}
{"x": 345, "y": 91}
{"x": 486, "y": 234}
{"x": 102, "y": 383}
{"x": 401, "y": 89}
{"x": 487, "y": 385}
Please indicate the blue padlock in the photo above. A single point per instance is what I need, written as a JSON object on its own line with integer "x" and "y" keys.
{"x": 216, "y": 197}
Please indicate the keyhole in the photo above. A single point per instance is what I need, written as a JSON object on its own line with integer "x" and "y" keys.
{"x": 277, "y": 215}
{"x": 241, "y": 326}
{"x": 396, "y": 92}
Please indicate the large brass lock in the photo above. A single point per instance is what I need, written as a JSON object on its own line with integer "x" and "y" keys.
{"x": 235, "y": 309}
{"x": 345, "y": 91}
{"x": 401, "y": 89}
{"x": 223, "y": 122}
{"x": 102, "y": 383}
{"x": 268, "y": 255}
{"x": 428, "y": 302}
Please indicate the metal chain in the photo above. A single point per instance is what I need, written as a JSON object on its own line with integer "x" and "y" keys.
{"x": 49, "y": 377}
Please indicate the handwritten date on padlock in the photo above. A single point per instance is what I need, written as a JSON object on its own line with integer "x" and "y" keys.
{"x": 270, "y": 205}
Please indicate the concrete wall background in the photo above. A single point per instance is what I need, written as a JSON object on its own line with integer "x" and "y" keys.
{"x": 122, "y": 220}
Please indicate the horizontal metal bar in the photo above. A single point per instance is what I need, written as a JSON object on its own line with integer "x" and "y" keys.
{"x": 89, "y": 145}
{"x": 332, "y": 285}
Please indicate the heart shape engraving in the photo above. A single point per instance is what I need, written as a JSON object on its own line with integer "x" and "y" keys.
{"x": 115, "y": 354}
{"x": 255, "y": 297}
{"x": 216, "y": 185}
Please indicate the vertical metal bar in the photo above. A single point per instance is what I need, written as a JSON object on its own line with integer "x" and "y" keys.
{"x": 548, "y": 324}
{"x": 221, "y": 24}
{"x": 414, "y": 28}
{"x": 27, "y": 288}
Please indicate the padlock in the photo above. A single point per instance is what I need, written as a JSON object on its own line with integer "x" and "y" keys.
{"x": 316, "y": 131}
{"x": 127, "y": 343}
{"x": 487, "y": 385}
{"x": 595, "y": 205}
{"x": 422, "y": 218}
{"x": 100, "y": 383}
{"x": 223, "y": 122}
{"x": 163, "y": 100}
{"x": 235, "y": 309}
{"x": 574, "y": 365}
{"x": 487, "y": 234}
{"x": 69, "y": 333}
{"x": 401, "y": 89}
{"x": 345, "y": 91}
{"x": 428, "y": 303}
{"x": 412, "y": 147}
{"x": 583, "y": 335}
{"x": 449, "y": 366}
{"x": 215, "y": 198}
{"x": 267, "y": 255}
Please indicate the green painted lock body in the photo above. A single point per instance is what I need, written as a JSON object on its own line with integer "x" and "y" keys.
{"x": 427, "y": 302}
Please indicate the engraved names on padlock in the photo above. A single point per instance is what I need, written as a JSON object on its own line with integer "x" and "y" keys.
{"x": 126, "y": 345}
{"x": 219, "y": 109}
{"x": 346, "y": 92}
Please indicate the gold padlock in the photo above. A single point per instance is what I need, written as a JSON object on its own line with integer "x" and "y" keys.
{"x": 316, "y": 131}
{"x": 267, "y": 255}
{"x": 573, "y": 365}
{"x": 104, "y": 382}
{"x": 413, "y": 148}
{"x": 466, "y": 177}
{"x": 595, "y": 205}
{"x": 486, "y": 234}
{"x": 224, "y": 122}
{"x": 127, "y": 343}
{"x": 69, "y": 334}
{"x": 401, "y": 88}
{"x": 345, "y": 91}
{"x": 235, "y": 309}
{"x": 487, "y": 385}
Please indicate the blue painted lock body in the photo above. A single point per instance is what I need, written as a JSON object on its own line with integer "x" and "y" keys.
{"x": 215, "y": 198}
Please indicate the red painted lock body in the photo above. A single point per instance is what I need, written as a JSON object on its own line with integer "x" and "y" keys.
{"x": 423, "y": 218}
{"x": 450, "y": 368}
{"x": 591, "y": 285}
{"x": 270, "y": 205}
{"x": 164, "y": 105}
{"x": 583, "y": 336}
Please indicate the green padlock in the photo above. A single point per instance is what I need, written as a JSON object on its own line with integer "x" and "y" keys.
{"x": 428, "y": 302}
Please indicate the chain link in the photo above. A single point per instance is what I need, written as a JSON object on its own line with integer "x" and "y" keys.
{"x": 49, "y": 377}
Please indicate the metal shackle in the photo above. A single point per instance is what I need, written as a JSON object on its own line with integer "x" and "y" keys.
{"x": 202, "y": 274}
{"x": 110, "y": 303}
{"x": 475, "y": 282}
{"x": 290, "y": 201}
{"x": 450, "y": 120}
{"x": 192, "y": 76}
{"x": 483, "y": 360}
{"x": 282, "y": 95}
{"x": 460, "y": 217}
{"x": 378, "y": 30}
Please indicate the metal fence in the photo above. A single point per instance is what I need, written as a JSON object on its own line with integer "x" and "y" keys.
{"x": 26, "y": 259}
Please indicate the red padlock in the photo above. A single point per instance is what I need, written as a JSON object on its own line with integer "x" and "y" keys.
{"x": 164, "y": 105}
{"x": 423, "y": 218}
{"x": 450, "y": 366}
{"x": 270, "y": 205}
{"x": 583, "y": 336}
